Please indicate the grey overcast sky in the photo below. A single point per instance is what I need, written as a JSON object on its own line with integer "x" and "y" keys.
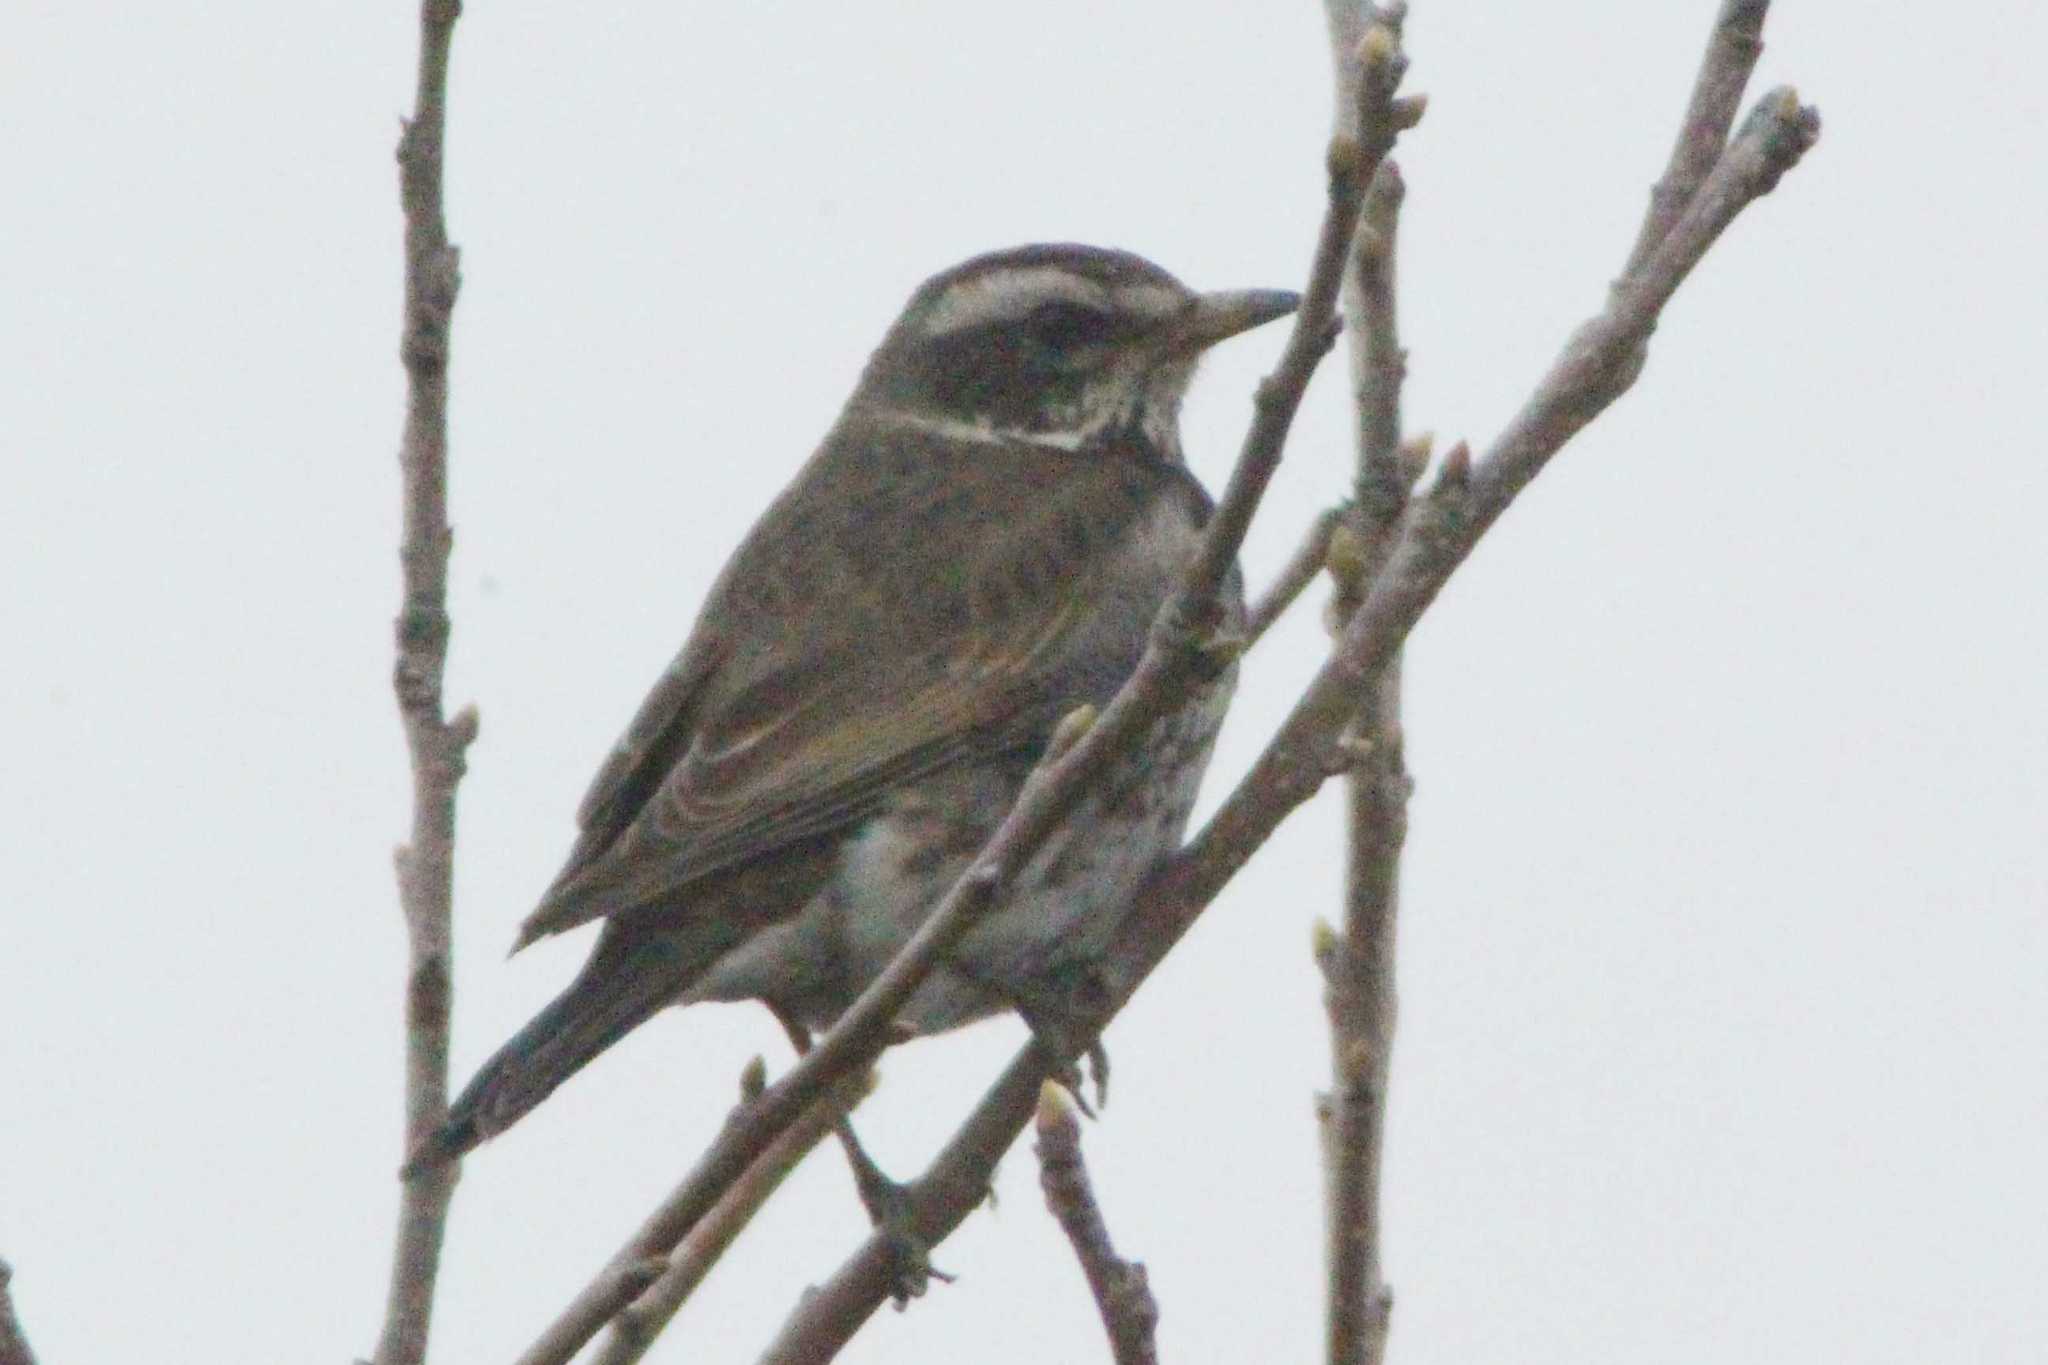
{"x": 1724, "y": 958}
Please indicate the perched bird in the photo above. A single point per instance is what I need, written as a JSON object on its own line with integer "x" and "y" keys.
{"x": 978, "y": 547}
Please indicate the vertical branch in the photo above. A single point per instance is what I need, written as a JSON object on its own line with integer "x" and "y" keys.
{"x": 1357, "y": 964}
{"x": 13, "y": 1344}
{"x": 436, "y": 745}
{"x": 1129, "y": 1313}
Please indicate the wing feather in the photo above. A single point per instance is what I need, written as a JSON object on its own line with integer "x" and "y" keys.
{"x": 853, "y": 646}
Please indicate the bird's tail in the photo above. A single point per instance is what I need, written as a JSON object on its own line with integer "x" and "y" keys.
{"x": 621, "y": 986}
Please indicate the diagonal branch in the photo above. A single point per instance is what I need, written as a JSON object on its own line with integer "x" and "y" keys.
{"x": 1594, "y": 369}
{"x": 643, "y": 1286}
{"x": 1300, "y": 571}
{"x": 1122, "y": 1296}
{"x": 636, "y": 1324}
{"x": 1187, "y": 647}
{"x": 437, "y": 746}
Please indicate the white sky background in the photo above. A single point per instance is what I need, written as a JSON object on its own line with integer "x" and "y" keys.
{"x": 1724, "y": 957}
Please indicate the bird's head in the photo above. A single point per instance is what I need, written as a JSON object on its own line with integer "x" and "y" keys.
{"x": 1065, "y": 345}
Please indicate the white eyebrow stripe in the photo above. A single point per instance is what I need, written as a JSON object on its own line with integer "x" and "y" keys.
{"x": 1151, "y": 300}
{"x": 1007, "y": 295}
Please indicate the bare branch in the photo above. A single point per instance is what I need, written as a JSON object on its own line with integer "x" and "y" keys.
{"x": 1436, "y": 537}
{"x": 437, "y": 746}
{"x": 1379, "y": 365}
{"x": 1732, "y": 51}
{"x": 935, "y": 1204}
{"x": 636, "y": 1326}
{"x": 1129, "y": 1313}
{"x": 629, "y": 1280}
{"x": 1358, "y": 990}
{"x": 1358, "y": 964}
{"x": 1300, "y": 571}
{"x": 1599, "y": 364}
{"x": 13, "y": 1342}
{"x": 1354, "y": 158}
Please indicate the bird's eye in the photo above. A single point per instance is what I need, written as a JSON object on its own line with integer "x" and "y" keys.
{"x": 1063, "y": 326}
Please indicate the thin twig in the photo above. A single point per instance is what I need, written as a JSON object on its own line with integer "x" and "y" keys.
{"x": 1188, "y": 645}
{"x": 1129, "y": 1313}
{"x": 13, "y": 1342}
{"x": 1297, "y": 761}
{"x": 1602, "y": 358}
{"x": 1353, "y": 160}
{"x": 1732, "y": 51}
{"x": 437, "y": 746}
{"x": 1358, "y": 964}
{"x": 636, "y": 1326}
{"x": 1379, "y": 364}
{"x": 1300, "y": 571}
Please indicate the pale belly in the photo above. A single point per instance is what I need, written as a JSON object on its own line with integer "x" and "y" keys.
{"x": 1059, "y": 915}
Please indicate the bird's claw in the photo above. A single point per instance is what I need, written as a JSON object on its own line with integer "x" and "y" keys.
{"x": 888, "y": 1205}
{"x": 1059, "y": 1023}
{"x": 1098, "y": 1071}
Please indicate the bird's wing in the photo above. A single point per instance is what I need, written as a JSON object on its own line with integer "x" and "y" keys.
{"x": 857, "y": 643}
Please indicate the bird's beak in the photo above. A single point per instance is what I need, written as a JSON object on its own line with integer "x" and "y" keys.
{"x": 1212, "y": 317}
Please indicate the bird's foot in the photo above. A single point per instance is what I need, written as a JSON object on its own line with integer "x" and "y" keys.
{"x": 1058, "y": 1043}
{"x": 889, "y": 1209}
{"x": 1067, "y": 1022}
{"x": 888, "y": 1205}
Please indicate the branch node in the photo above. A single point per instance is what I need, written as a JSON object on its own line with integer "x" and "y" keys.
{"x": 1377, "y": 47}
{"x": 1456, "y": 475}
{"x": 753, "y": 1080}
{"x": 1327, "y": 338}
{"x": 1057, "y": 1110}
{"x": 1326, "y": 945}
{"x": 1412, "y": 457}
{"x": 1123, "y": 1296}
{"x": 1069, "y": 732}
{"x": 1194, "y": 632}
{"x": 1342, "y": 159}
{"x": 1350, "y": 751}
{"x": 1346, "y": 560}
{"x": 462, "y": 729}
{"x": 1787, "y": 131}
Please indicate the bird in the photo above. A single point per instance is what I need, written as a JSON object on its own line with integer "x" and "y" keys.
{"x": 977, "y": 548}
